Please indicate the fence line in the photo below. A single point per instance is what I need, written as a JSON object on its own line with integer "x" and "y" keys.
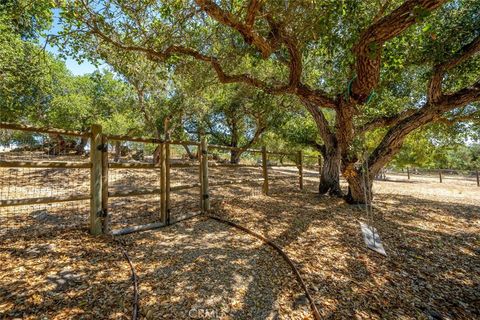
{"x": 99, "y": 165}
{"x": 22, "y": 127}
{"x": 441, "y": 173}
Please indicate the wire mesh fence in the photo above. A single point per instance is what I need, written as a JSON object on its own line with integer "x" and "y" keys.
{"x": 125, "y": 208}
{"x": 122, "y": 181}
{"x": 234, "y": 173}
{"x": 285, "y": 167}
{"x": 53, "y": 179}
{"x": 44, "y": 181}
{"x": 185, "y": 193}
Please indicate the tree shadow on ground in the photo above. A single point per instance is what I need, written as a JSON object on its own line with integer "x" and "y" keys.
{"x": 428, "y": 271}
{"x": 432, "y": 268}
{"x": 258, "y": 266}
{"x": 64, "y": 275}
{"x": 432, "y": 265}
{"x": 42, "y": 221}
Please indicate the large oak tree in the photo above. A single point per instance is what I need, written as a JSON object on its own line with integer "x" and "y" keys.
{"x": 329, "y": 54}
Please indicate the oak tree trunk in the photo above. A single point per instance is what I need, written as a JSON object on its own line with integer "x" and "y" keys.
{"x": 59, "y": 147}
{"x": 235, "y": 156}
{"x": 330, "y": 174}
{"x": 359, "y": 188}
{"x": 190, "y": 154}
{"x": 118, "y": 151}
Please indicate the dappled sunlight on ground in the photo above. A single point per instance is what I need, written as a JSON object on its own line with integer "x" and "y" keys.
{"x": 431, "y": 232}
{"x": 63, "y": 275}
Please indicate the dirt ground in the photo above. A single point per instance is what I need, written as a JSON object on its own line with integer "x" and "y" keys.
{"x": 52, "y": 269}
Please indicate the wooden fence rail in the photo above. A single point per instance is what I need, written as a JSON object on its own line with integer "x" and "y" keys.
{"x": 100, "y": 166}
{"x": 21, "y": 127}
{"x": 42, "y": 200}
{"x": 44, "y": 164}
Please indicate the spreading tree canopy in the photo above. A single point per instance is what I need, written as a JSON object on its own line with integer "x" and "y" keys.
{"x": 331, "y": 55}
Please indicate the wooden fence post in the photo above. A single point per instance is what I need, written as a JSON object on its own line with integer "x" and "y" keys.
{"x": 440, "y": 174}
{"x": 408, "y": 173}
{"x": 300, "y": 169}
{"x": 205, "y": 191}
{"x": 167, "y": 180}
{"x": 163, "y": 190}
{"x": 96, "y": 180}
{"x": 106, "y": 216}
{"x": 478, "y": 178}
{"x": 265, "y": 171}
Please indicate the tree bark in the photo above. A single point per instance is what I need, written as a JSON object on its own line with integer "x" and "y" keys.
{"x": 57, "y": 148}
{"x": 190, "y": 154}
{"x": 235, "y": 156}
{"x": 118, "y": 151}
{"x": 331, "y": 153}
{"x": 330, "y": 174}
{"x": 359, "y": 188}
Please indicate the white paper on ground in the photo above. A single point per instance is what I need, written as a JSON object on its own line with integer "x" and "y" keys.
{"x": 372, "y": 238}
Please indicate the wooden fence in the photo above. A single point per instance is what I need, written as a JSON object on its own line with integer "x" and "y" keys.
{"x": 436, "y": 174}
{"x": 99, "y": 165}
{"x": 96, "y": 170}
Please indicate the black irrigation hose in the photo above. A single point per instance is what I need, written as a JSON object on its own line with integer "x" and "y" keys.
{"x": 315, "y": 312}
{"x": 135, "y": 308}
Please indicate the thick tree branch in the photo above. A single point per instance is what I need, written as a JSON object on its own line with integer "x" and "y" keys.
{"x": 315, "y": 96}
{"x": 295, "y": 64}
{"x": 369, "y": 48}
{"x": 459, "y": 98}
{"x": 386, "y": 121}
{"x": 267, "y": 46}
{"x": 393, "y": 139}
{"x": 450, "y": 121}
{"x": 170, "y": 51}
{"x": 395, "y": 136}
{"x": 435, "y": 86}
{"x": 433, "y": 110}
{"x": 253, "y": 8}
{"x": 258, "y": 132}
{"x": 323, "y": 126}
{"x": 249, "y": 35}
{"x": 294, "y": 85}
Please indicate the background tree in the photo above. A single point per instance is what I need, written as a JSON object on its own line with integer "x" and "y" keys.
{"x": 439, "y": 147}
{"x": 36, "y": 86}
{"x": 24, "y": 69}
{"x": 238, "y": 116}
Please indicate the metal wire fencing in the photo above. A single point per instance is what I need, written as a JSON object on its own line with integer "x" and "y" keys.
{"x": 121, "y": 184}
{"x": 44, "y": 183}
